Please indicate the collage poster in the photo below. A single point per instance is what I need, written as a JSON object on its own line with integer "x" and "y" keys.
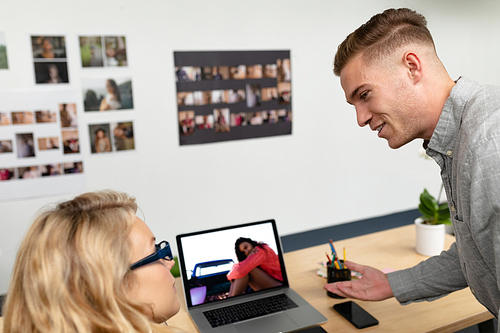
{"x": 39, "y": 144}
{"x": 232, "y": 95}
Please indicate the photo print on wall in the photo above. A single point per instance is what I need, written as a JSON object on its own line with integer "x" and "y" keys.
{"x": 111, "y": 137}
{"x": 50, "y": 59}
{"x": 232, "y": 95}
{"x": 107, "y": 94}
{"x": 39, "y": 144}
{"x": 103, "y": 51}
{"x": 4, "y": 64}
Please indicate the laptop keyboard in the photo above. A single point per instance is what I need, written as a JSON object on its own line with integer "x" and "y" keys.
{"x": 252, "y": 309}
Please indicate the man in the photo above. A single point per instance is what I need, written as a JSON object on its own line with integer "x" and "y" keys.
{"x": 390, "y": 72}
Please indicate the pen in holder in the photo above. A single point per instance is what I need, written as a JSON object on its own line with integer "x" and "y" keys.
{"x": 336, "y": 275}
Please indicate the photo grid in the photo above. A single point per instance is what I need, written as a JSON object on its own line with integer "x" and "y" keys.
{"x": 37, "y": 136}
{"x": 232, "y": 95}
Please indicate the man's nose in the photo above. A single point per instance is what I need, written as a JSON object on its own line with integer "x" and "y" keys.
{"x": 363, "y": 116}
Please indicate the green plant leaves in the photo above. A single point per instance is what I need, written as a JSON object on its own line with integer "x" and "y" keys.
{"x": 432, "y": 211}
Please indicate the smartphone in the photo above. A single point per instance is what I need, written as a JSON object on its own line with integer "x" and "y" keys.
{"x": 355, "y": 314}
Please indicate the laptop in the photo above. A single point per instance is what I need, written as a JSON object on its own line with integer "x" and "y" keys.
{"x": 219, "y": 305}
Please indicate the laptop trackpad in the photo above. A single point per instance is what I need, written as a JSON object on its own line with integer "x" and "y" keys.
{"x": 275, "y": 323}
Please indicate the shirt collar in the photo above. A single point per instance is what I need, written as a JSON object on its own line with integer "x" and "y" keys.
{"x": 444, "y": 137}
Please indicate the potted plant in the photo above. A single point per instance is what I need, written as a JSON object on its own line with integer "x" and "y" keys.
{"x": 431, "y": 225}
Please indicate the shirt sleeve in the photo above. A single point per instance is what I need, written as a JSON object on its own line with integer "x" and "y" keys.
{"x": 244, "y": 267}
{"x": 430, "y": 279}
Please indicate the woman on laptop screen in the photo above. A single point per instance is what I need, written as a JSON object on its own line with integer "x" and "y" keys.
{"x": 258, "y": 267}
{"x": 91, "y": 265}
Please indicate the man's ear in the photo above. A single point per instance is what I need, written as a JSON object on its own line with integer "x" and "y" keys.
{"x": 414, "y": 66}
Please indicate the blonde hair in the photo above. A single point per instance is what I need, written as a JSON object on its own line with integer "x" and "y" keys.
{"x": 382, "y": 35}
{"x": 72, "y": 270}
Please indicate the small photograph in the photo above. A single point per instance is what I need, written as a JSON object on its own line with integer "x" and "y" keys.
{"x": 269, "y": 94}
{"x": 48, "y": 47}
{"x": 237, "y": 72}
{"x": 284, "y": 72}
{"x": 107, "y": 94}
{"x": 3, "y": 52}
{"x": 71, "y": 141}
{"x": 220, "y": 96}
{"x": 284, "y": 92}
{"x": 204, "y": 122}
{"x": 69, "y": 117}
{"x": 51, "y": 72}
{"x": 256, "y": 118}
{"x": 123, "y": 135}
{"x": 222, "y": 120}
{"x": 25, "y": 145}
{"x": 254, "y": 72}
{"x": 73, "y": 167}
{"x": 187, "y": 74}
{"x": 220, "y": 73}
{"x": 48, "y": 170}
{"x": 91, "y": 51}
{"x": 30, "y": 172}
{"x": 100, "y": 138}
{"x": 6, "y": 173}
{"x": 5, "y": 146}
{"x": 185, "y": 98}
{"x": 49, "y": 143}
{"x": 202, "y": 97}
{"x": 206, "y": 73}
{"x": 186, "y": 122}
{"x": 116, "y": 51}
{"x": 284, "y": 115}
{"x": 270, "y": 71}
{"x": 270, "y": 117}
{"x": 22, "y": 117}
{"x": 4, "y": 119}
{"x": 45, "y": 116}
{"x": 238, "y": 119}
{"x": 253, "y": 95}
{"x": 236, "y": 96}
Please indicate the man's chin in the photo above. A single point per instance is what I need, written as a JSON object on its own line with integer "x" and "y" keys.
{"x": 394, "y": 144}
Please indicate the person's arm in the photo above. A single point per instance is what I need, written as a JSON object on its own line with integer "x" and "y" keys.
{"x": 104, "y": 105}
{"x": 244, "y": 267}
{"x": 108, "y": 144}
{"x": 430, "y": 279}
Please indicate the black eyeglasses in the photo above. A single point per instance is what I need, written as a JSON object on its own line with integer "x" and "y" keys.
{"x": 162, "y": 252}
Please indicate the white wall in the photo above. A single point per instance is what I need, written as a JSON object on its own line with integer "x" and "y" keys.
{"x": 329, "y": 171}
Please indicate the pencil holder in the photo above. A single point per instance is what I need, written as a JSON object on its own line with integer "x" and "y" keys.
{"x": 336, "y": 275}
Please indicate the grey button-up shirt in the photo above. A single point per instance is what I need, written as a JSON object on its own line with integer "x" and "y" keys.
{"x": 466, "y": 145}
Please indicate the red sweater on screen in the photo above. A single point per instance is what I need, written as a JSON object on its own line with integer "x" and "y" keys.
{"x": 263, "y": 257}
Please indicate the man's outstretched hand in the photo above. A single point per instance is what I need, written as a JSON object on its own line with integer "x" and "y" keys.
{"x": 372, "y": 286}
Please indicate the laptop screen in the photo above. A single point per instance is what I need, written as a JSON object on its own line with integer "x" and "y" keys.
{"x": 228, "y": 262}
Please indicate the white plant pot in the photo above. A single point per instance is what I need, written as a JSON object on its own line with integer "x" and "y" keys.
{"x": 430, "y": 238}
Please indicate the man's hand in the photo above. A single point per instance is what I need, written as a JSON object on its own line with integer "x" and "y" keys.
{"x": 372, "y": 286}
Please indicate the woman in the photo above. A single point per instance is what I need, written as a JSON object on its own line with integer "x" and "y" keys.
{"x": 86, "y": 265}
{"x": 113, "y": 100}
{"x": 102, "y": 142}
{"x": 258, "y": 267}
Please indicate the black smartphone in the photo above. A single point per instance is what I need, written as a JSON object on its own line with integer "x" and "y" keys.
{"x": 355, "y": 314}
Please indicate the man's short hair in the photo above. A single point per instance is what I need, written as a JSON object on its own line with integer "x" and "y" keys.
{"x": 383, "y": 34}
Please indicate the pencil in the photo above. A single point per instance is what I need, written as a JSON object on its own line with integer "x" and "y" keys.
{"x": 344, "y": 255}
{"x": 333, "y": 248}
